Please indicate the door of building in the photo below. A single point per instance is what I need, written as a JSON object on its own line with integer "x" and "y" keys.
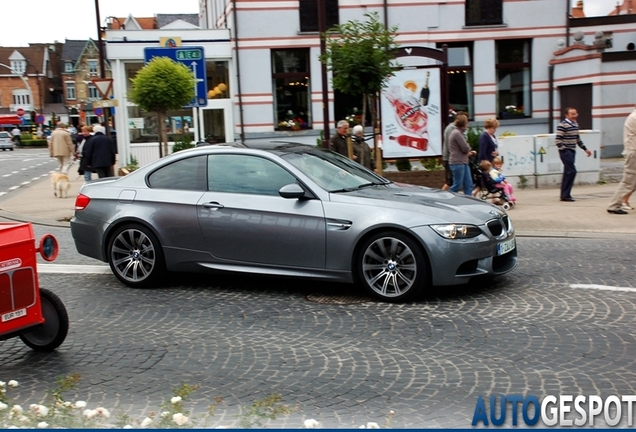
{"x": 216, "y": 124}
{"x": 579, "y": 97}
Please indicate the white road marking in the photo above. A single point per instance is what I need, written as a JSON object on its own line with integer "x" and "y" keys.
{"x": 73, "y": 268}
{"x": 13, "y": 188}
{"x": 603, "y": 287}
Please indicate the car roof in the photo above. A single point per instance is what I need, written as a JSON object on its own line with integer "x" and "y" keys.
{"x": 278, "y": 147}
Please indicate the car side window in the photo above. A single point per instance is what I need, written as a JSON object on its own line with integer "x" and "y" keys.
{"x": 246, "y": 174}
{"x": 184, "y": 174}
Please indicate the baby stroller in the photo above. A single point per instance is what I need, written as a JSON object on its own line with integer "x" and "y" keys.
{"x": 485, "y": 188}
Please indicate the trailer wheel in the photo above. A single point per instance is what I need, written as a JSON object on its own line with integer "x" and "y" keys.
{"x": 50, "y": 334}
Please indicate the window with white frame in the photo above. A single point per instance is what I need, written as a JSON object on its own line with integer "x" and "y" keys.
{"x": 459, "y": 74}
{"x": 70, "y": 91}
{"x": 514, "y": 81}
{"x": 68, "y": 67}
{"x": 92, "y": 66}
{"x": 21, "y": 97}
{"x": 18, "y": 66}
{"x": 93, "y": 93}
{"x": 484, "y": 12}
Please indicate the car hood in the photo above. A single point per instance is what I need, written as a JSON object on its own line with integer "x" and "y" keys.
{"x": 436, "y": 203}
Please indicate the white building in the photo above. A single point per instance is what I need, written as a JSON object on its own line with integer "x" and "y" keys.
{"x": 520, "y": 61}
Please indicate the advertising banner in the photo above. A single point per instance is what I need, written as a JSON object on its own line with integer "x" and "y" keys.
{"x": 411, "y": 122}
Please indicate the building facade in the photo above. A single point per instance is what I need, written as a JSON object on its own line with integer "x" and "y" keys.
{"x": 522, "y": 62}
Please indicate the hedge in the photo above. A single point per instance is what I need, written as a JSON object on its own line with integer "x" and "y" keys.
{"x": 34, "y": 143}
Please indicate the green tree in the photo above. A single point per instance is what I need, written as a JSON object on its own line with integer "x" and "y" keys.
{"x": 361, "y": 57}
{"x": 162, "y": 85}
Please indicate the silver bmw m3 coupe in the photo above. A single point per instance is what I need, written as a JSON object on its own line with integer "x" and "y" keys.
{"x": 288, "y": 210}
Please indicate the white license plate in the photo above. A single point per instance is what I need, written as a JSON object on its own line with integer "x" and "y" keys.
{"x": 13, "y": 315}
{"x": 506, "y": 247}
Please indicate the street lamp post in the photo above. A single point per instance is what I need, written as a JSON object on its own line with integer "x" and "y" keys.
{"x": 102, "y": 67}
{"x": 26, "y": 82}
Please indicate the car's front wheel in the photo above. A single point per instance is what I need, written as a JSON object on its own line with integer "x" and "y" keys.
{"x": 392, "y": 267}
{"x": 135, "y": 256}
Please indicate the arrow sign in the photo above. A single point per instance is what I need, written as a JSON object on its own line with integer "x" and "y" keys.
{"x": 103, "y": 85}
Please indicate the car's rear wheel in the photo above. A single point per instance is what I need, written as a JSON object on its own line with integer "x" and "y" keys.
{"x": 50, "y": 334}
{"x": 392, "y": 267}
{"x": 135, "y": 256}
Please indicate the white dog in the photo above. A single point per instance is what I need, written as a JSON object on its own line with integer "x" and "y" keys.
{"x": 61, "y": 184}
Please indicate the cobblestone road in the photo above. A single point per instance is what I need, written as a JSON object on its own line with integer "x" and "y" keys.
{"x": 531, "y": 332}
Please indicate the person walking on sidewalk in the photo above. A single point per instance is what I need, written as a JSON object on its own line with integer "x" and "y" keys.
{"x": 567, "y": 138}
{"x": 628, "y": 182}
{"x": 61, "y": 147}
{"x": 99, "y": 153}
{"x": 459, "y": 153}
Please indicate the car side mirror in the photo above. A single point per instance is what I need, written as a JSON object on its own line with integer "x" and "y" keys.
{"x": 292, "y": 190}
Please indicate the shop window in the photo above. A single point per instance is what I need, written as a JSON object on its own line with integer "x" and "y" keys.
{"x": 460, "y": 77}
{"x": 308, "y": 10}
{"x": 514, "y": 83}
{"x": 292, "y": 90}
{"x": 484, "y": 12}
{"x": 217, "y": 79}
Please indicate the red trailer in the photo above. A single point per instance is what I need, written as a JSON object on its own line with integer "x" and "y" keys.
{"x": 35, "y": 315}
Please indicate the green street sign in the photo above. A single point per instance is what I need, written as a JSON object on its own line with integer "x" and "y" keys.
{"x": 188, "y": 54}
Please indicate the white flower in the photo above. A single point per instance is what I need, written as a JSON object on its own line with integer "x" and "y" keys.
{"x": 103, "y": 412}
{"x": 80, "y": 404}
{"x": 3, "y": 406}
{"x": 146, "y": 422}
{"x": 39, "y": 410}
{"x": 13, "y": 383}
{"x": 165, "y": 414}
{"x": 372, "y": 425}
{"x": 179, "y": 419}
{"x": 176, "y": 399}
{"x": 43, "y": 425}
{"x": 128, "y": 427}
{"x": 2, "y": 383}
{"x": 391, "y": 412}
{"x": 312, "y": 424}
{"x": 89, "y": 413}
{"x": 16, "y": 410}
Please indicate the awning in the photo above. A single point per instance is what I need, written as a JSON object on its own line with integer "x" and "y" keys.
{"x": 10, "y": 120}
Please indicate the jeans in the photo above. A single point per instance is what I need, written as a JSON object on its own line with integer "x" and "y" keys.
{"x": 462, "y": 179}
{"x": 569, "y": 172}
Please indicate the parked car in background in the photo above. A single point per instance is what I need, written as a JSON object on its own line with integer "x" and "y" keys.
{"x": 5, "y": 141}
{"x": 288, "y": 210}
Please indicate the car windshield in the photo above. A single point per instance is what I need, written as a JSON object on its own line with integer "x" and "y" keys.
{"x": 333, "y": 172}
{"x": 5, "y": 135}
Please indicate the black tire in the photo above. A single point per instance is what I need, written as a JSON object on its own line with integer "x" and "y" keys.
{"x": 135, "y": 256}
{"x": 392, "y": 267}
{"x": 50, "y": 335}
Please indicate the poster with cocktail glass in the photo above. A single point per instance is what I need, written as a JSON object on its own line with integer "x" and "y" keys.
{"x": 411, "y": 110}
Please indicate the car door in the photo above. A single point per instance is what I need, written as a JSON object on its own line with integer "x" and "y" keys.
{"x": 244, "y": 219}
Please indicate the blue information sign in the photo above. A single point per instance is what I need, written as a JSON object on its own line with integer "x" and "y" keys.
{"x": 194, "y": 59}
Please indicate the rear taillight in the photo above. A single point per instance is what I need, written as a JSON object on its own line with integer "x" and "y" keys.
{"x": 81, "y": 202}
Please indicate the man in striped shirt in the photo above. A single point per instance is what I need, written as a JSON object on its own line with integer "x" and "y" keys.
{"x": 567, "y": 138}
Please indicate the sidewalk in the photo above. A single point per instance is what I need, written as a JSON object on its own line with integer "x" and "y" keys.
{"x": 539, "y": 213}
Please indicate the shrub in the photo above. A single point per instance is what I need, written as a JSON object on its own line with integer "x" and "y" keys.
{"x": 182, "y": 143}
{"x": 403, "y": 164}
{"x": 34, "y": 143}
{"x": 472, "y": 136}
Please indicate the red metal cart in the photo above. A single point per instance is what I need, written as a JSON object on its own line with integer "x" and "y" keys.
{"x": 35, "y": 315}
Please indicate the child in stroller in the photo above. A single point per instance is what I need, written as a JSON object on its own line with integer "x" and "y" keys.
{"x": 492, "y": 184}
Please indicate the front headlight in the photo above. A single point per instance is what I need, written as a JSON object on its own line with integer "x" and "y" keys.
{"x": 454, "y": 231}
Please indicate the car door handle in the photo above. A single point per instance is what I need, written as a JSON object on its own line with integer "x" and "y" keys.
{"x": 213, "y": 205}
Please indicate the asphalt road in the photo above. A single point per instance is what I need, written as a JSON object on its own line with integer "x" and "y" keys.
{"x": 556, "y": 325}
